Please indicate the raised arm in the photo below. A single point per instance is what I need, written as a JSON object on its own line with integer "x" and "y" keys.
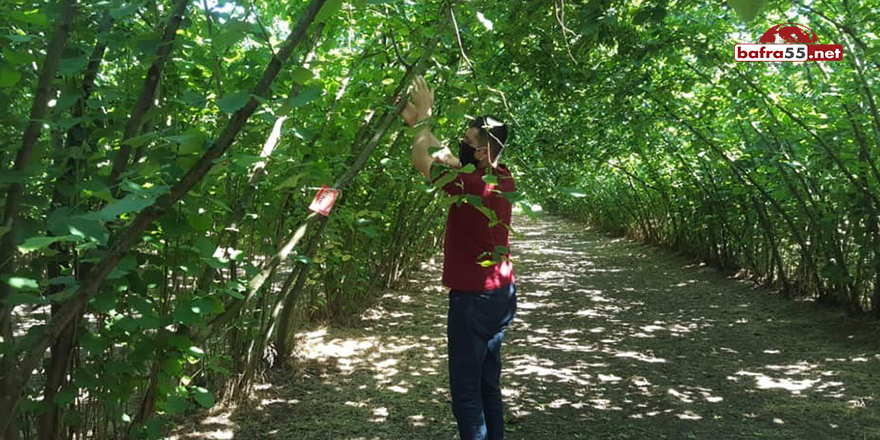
{"x": 420, "y": 111}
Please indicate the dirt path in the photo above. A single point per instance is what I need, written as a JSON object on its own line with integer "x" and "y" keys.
{"x": 613, "y": 340}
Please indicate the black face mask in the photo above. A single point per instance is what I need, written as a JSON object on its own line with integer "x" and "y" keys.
{"x": 466, "y": 154}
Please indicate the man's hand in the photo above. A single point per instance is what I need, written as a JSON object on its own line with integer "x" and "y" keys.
{"x": 446, "y": 156}
{"x": 408, "y": 113}
{"x": 423, "y": 98}
{"x": 421, "y": 108}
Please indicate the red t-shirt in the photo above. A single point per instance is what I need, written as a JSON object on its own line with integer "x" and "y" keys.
{"x": 469, "y": 240}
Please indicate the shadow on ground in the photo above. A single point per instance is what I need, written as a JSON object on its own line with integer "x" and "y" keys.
{"x": 613, "y": 340}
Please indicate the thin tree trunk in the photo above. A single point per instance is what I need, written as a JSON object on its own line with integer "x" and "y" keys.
{"x": 14, "y": 194}
{"x": 148, "y": 91}
{"x": 26, "y": 151}
{"x": 62, "y": 349}
{"x": 285, "y": 321}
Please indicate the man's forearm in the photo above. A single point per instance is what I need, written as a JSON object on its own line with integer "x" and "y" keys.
{"x": 422, "y": 142}
{"x": 421, "y": 158}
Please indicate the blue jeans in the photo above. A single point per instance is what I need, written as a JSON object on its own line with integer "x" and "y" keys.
{"x": 474, "y": 331}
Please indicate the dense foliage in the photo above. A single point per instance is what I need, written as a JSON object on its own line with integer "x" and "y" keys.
{"x": 159, "y": 158}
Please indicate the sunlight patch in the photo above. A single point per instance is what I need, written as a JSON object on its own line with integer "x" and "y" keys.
{"x": 649, "y": 358}
{"x": 265, "y": 402}
{"x": 689, "y": 415}
{"x": 765, "y": 382}
{"x": 398, "y": 389}
{"x": 380, "y": 414}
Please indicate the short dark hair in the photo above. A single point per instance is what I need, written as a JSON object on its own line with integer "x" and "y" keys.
{"x": 492, "y": 132}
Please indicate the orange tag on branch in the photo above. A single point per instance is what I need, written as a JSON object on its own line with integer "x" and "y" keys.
{"x": 324, "y": 200}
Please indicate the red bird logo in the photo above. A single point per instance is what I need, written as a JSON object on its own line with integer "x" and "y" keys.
{"x": 790, "y": 33}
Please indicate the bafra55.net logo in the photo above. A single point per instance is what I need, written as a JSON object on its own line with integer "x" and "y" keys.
{"x": 788, "y": 42}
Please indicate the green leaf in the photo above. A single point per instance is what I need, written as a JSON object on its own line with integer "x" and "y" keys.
{"x": 65, "y": 396}
{"x": 22, "y": 283}
{"x": 250, "y": 270}
{"x": 145, "y": 42}
{"x": 123, "y": 11}
{"x": 173, "y": 366}
{"x": 291, "y": 181}
{"x": 233, "y": 288}
{"x": 491, "y": 179}
{"x": 149, "y": 322}
{"x": 327, "y": 11}
{"x": 301, "y": 75}
{"x": 176, "y": 405}
{"x": 659, "y": 14}
{"x": 186, "y": 316}
{"x": 192, "y": 141}
{"x": 37, "y": 243}
{"x": 371, "y": 231}
{"x": 513, "y": 196}
{"x": 207, "y": 305}
{"x": 93, "y": 343}
{"x": 205, "y": 247}
{"x": 29, "y": 405}
{"x": 126, "y": 265}
{"x": 234, "y": 101}
{"x": 180, "y": 342}
{"x": 65, "y": 294}
{"x": 69, "y": 66}
{"x": 15, "y": 299}
{"x": 93, "y": 188}
{"x": 88, "y": 229}
{"x": 200, "y": 222}
{"x": 444, "y": 179}
{"x": 228, "y": 38}
{"x": 216, "y": 263}
{"x": 8, "y": 77}
{"x": 245, "y": 160}
{"x": 126, "y": 205}
{"x": 490, "y": 214}
{"x": 574, "y": 192}
{"x": 234, "y": 294}
{"x": 19, "y": 38}
{"x": 13, "y": 57}
{"x": 306, "y": 96}
{"x": 642, "y": 16}
{"x": 193, "y": 99}
{"x": 473, "y": 199}
{"x": 103, "y": 302}
{"x": 34, "y": 17}
{"x": 204, "y": 397}
{"x": 131, "y": 203}
{"x": 137, "y": 141}
{"x": 67, "y": 98}
{"x": 65, "y": 280}
{"x": 747, "y": 9}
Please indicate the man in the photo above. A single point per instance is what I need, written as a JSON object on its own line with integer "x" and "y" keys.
{"x": 476, "y": 265}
